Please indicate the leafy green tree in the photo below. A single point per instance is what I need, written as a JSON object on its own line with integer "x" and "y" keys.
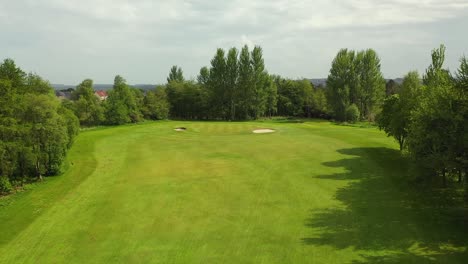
{"x": 433, "y": 131}
{"x": 9, "y": 71}
{"x": 87, "y": 107}
{"x": 355, "y": 78}
{"x": 338, "y": 83}
{"x": 121, "y": 105}
{"x": 218, "y": 84}
{"x": 244, "y": 84}
{"x": 396, "y": 112}
{"x": 204, "y": 76}
{"x": 259, "y": 84}
{"x": 232, "y": 75}
{"x": 175, "y": 74}
{"x": 371, "y": 83}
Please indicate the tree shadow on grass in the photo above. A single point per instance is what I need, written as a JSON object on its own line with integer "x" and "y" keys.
{"x": 388, "y": 219}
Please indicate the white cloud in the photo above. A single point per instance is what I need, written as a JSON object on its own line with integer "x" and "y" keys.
{"x": 124, "y": 34}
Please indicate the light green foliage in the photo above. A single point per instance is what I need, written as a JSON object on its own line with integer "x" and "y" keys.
{"x": 352, "y": 113}
{"x": 371, "y": 83}
{"x": 5, "y": 185}
{"x": 121, "y": 104}
{"x": 355, "y": 78}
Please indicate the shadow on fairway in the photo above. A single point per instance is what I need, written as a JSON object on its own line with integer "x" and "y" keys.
{"x": 387, "y": 217}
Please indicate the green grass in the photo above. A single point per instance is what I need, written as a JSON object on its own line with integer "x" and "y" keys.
{"x": 312, "y": 192}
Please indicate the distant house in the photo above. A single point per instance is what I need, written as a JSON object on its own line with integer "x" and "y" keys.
{"x": 63, "y": 95}
{"x": 101, "y": 94}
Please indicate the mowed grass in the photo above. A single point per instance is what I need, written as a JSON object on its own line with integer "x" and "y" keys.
{"x": 312, "y": 192}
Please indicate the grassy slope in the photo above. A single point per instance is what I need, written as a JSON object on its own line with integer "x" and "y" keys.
{"x": 310, "y": 193}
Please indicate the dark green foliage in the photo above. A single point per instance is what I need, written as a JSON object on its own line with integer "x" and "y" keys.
{"x": 156, "y": 105}
{"x": 396, "y": 112}
{"x": 87, "y": 107}
{"x": 188, "y": 100}
{"x": 175, "y": 74}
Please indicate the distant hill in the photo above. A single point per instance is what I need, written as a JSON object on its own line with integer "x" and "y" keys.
{"x": 104, "y": 87}
{"x": 323, "y": 81}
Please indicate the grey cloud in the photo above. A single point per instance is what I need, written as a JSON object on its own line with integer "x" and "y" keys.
{"x": 67, "y": 41}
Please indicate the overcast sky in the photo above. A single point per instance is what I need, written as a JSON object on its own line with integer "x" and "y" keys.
{"x": 66, "y": 41}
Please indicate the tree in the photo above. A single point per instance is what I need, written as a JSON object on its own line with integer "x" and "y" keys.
{"x": 433, "y": 131}
{"x": 271, "y": 97}
{"x": 259, "y": 84}
{"x": 217, "y": 85}
{"x": 121, "y": 105}
{"x": 232, "y": 75}
{"x": 396, "y": 112}
{"x": 338, "y": 83}
{"x": 175, "y": 74}
{"x": 371, "y": 83}
{"x": 355, "y": 78}
{"x": 87, "y": 107}
{"x": 244, "y": 83}
{"x": 9, "y": 71}
{"x": 204, "y": 76}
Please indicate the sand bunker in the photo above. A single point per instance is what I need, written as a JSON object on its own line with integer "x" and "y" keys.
{"x": 263, "y": 131}
{"x": 179, "y": 129}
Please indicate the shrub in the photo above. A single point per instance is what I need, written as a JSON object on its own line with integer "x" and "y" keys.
{"x": 352, "y": 113}
{"x": 5, "y": 185}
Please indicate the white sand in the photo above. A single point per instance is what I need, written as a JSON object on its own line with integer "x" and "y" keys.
{"x": 180, "y": 129}
{"x": 263, "y": 131}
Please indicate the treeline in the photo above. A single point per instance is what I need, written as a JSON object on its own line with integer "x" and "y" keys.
{"x": 35, "y": 129}
{"x": 124, "y": 104}
{"x": 355, "y": 85}
{"x": 237, "y": 86}
{"x": 429, "y": 119}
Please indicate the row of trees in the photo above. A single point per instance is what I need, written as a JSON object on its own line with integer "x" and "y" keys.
{"x": 355, "y": 85}
{"x": 35, "y": 129}
{"x": 238, "y": 87}
{"x": 429, "y": 118}
{"x": 123, "y": 105}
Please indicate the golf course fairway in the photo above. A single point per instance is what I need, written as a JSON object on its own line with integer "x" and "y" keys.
{"x": 216, "y": 192}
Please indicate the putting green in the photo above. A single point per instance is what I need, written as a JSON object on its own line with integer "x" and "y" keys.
{"x": 311, "y": 192}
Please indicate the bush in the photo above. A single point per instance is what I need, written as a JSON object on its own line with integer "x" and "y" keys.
{"x": 352, "y": 113}
{"x": 5, "y": 185}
